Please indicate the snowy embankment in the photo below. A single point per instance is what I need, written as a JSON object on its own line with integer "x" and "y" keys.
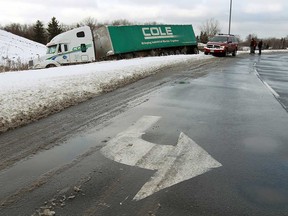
{"x": 16, "y": 50}
{"x": 27, "y": 96}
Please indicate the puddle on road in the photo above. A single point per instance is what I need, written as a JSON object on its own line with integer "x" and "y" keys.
{"x": 262, "y": 144}
{"x": 26, "y": 171}
{"x": 265, "y": 195}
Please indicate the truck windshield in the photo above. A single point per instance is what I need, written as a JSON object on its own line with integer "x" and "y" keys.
{"x": 51, "y": 49}
{"x": 219, "y": 39}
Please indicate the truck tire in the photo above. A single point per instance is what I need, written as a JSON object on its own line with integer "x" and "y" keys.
{"x": 50, "y": 66}
{"x": 195, "y": 50}
{"x": 184, "y": 51}
{"x": 234, "y": 53}
{"x": 152, "y": 53}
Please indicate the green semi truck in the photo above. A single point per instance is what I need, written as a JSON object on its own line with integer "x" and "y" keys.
{"x": 81, "y": 45}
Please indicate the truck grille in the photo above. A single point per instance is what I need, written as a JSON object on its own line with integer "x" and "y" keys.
{"x": 214, "y": 46}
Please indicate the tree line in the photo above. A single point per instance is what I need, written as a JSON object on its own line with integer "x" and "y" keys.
{"x": 268, "y": 43}
{"x": 39, "y": 33}
{"x": 36, "y": 32}
{"x": 209, "y": 28}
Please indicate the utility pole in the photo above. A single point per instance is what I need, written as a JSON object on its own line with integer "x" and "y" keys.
{"x": 229, "y": 31}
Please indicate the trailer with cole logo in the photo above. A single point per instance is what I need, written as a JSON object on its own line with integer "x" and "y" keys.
{"x": 81, "y": 45}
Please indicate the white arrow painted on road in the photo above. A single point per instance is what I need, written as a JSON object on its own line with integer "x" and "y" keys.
{"x": 174, "y": 164}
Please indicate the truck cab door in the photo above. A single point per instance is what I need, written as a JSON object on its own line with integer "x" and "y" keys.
{"x": 64, "y": 53}
{"x": 84, "y": 55}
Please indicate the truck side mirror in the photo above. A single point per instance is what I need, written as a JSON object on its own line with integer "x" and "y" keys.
{"x": 83, "y": 48}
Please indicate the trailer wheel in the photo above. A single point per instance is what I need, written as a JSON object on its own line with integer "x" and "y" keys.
{"x": 152, "y": 53}
{"x": 128, "y": 56}
{"x": 184, "y": 51}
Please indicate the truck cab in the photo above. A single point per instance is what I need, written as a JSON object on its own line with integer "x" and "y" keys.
{"x": 71, "y": 47}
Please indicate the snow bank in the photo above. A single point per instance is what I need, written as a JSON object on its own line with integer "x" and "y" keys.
{"x": 26, "y": 96}
{"x": 15, "y": 49}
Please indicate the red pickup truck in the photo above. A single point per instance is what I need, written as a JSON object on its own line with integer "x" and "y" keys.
{"x": 222, "y": 44}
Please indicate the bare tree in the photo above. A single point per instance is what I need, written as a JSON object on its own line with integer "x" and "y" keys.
{"x": 151, "y": 23}
{"x": 250, "y": 36}
{"x": 268, "y": 43}
{"x": 211, "y": 27}
{"x": 91, "y": 22}
{"x": 248, "y": 39}
{"x": 22, "y": 30}
{"x": 65, "y": 27}
{"x": 121, "y": 22}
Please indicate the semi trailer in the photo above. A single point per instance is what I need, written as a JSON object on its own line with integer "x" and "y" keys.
{"x": 82, "y": 45}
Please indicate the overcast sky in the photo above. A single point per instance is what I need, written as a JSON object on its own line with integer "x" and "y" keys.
{"x": 265, "y": 18}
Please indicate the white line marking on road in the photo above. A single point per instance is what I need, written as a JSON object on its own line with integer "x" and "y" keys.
{"x": 174, "y": 164}
{"x": 265, "y": 83}
{"x": 272, "y": 90}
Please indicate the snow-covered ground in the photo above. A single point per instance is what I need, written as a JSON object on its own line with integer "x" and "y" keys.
{"x": 15, "y": 50}
{"x": 26, "y": 96}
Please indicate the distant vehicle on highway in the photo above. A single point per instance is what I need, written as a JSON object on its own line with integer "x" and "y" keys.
{"x": 222, "y": 44}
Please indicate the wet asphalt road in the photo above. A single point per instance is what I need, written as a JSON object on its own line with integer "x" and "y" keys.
{"x": 273, "y": 69}
{"x": 227, "y": 110}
